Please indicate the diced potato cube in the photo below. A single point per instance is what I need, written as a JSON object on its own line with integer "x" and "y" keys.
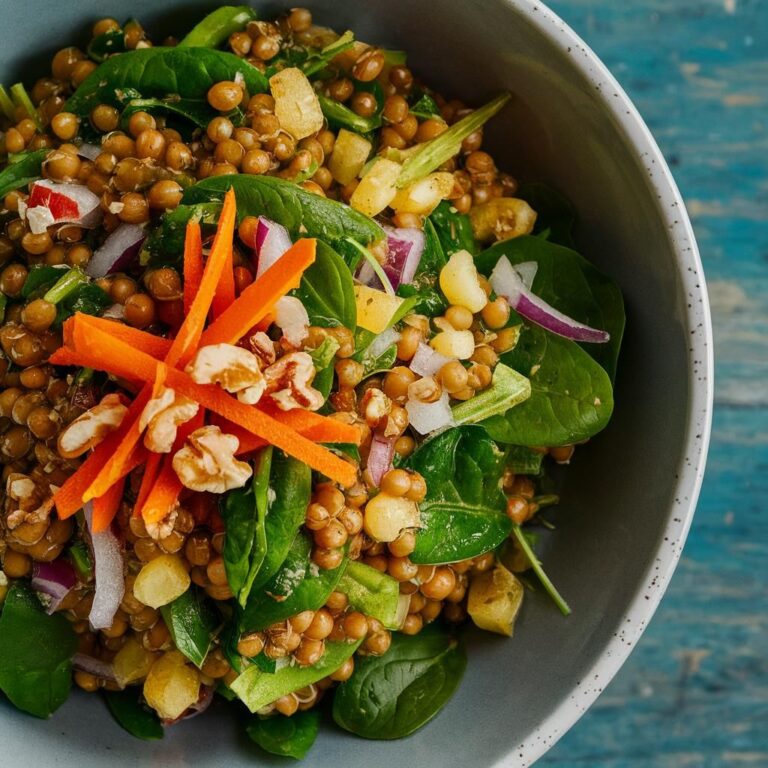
{"x": 502, "y": 218}
{"x": 494, "y": 600}
{"x": 458, "y": 344}
{"x": 386, "y": 517}
{"x": 460, "y": 284}
{"x": 376, "y": 189}
{"x": 296, "y": 104}
{"x": 375, "y": 308}
{"x": 132, "y": 663}
{"x": 161, "y": 581}
{"x": 350, "y": 153}
{"x": 423, "y": 196}
{"x": 171, "y": 686}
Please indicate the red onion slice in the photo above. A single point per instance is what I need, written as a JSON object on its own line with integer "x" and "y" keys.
{"x": 108, "y": 574}
{"x": 405, "y": 246}
{"x": 380, "y": 457}
{"x": 272, "y": 241}
{"x": 426, "y": 361}
{"x": 527, "y": 271}
{"x": 92, "y": 666}
{"x": 53, "y": 202}
{"x": 53, "y": 580}
{"x": 118, "y": 251}
{"x": 507, "y": 282}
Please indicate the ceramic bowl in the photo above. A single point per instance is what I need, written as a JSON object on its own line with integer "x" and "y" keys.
{"x": 629, "y": 495}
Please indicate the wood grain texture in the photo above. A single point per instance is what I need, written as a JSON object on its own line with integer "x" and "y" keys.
{"x": 695, "y": 691}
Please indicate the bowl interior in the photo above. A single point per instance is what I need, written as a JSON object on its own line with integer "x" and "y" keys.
{"x": 626, "y": 496}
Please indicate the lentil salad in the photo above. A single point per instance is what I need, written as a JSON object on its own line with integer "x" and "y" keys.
{"x": 287, "y": 361}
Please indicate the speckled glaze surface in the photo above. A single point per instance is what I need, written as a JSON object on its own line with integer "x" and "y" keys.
{"x": 629, "y": 496}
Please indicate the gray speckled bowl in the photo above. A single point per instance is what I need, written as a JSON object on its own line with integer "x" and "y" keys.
{"x": 629, "y": 495}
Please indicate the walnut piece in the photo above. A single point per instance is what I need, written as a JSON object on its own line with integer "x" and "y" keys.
{"x": 374, "y": 407}
{"x": 162, "y": 416}
{"x": 235, "y": 369}
{"x": 207, "y": 462}
{"x": 261, "y": 346}
{"x": 289, "y": 382}
{"x": 26, "y": 501}
{"x": 91, "y": 427}
{"x": 292, "y": 319}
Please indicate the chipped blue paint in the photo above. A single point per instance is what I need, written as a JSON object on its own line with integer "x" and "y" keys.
{"x": 695, "y": 691}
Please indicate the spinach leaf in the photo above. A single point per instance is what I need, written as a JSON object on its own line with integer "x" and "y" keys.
{"x": 371, "y": 362}
{"x": 35, "y": 653}
{"x": 195, "y": 111}
{"x": 317, "y": 60}
{"x": 341, "y": 116}
{"x": 132, "y": 715}
{"x": 453, "y": 229}
{"x": 323, "y": 355}
{"x": 256, "y": 688}
{"x": 433, "y": 259}
{"x": 462, "y": 515}
{"x": 80, "y": 556}
{"x": 290, "y": 487}
{"x": 87, "y": 298}
{"x": 523, "y": 461}
{"x": 217, "y": 26}
{"x": 425, "y": 107}
{"x": 286, "y": 736}
{"x": 298, "y": 586}
{"x": 327, "y": 290}
{"x": 571, "y": 284}
{"x": 159, "y": 72}
{"x": 26, "y": 168}
{"x": 372, "y": 592}
{"x": 192, "y": 621}
{"x": 571, "y": 395}
{"x": 393, "y": 695}
{"x": 41, "y": 277}
{"x": 106, "y": 44}
{"x": 554, "y": 212}
{"x": 426, "y": 297}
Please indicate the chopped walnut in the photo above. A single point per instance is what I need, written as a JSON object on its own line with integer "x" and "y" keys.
{"x": 162, "y": 416}
{"x": 27, "y": 502}
{"x": 374, "y": 407}
{"x": 289, "y": 382}
{"x": 261, "y": 346}
{"x": 91, "y": 427}
{"x": 235, "y": 369}
{"x": 292, "y": 319}
{"x": 207, "y": 462}
{"x": 163, "y": 528}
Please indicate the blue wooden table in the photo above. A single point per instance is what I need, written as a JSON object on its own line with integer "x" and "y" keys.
{"x": 695, "y": 691}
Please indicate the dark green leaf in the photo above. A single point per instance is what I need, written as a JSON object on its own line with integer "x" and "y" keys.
{"x": 523, "y": 461}
{"x": 424, "y": 293}
{"x": 256, "y": 688}
{"x": 372, "y": 363}
{"x": 462, "y": 515}
{"x": 554, "y": 212}
{"x": 196, "y": 111}
{"x": 433, "y": 259}
{"x": 132, "y": 715}
{"x": 298, "y": 586}
{"x": 286, "y": 736}
{"x": 35, "y": 653}
{"x": 571, "y": 395}
{"x": 453, "y": 229}
{"x": 192, "y": 621}
{"x": 88, "y": 299}
{"x": 425, "y": 107}
{"x": 393, "y": 695}
{"x": 341, "y": 116}
{"x": 40, "y": 278}
{"x": 568, "y": 282}
{"x": 217, "y": 26}
{"x": 106, "y": 44}
{"x": 26, "y": 168}
{"x": 160, "y": 72}
{"x": 372, "y": 592}
{"x": 81, "y": 559}
{"x": 69, "y": 283}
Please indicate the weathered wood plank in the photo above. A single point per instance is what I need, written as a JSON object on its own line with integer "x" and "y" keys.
{"x": 695, "y": 692}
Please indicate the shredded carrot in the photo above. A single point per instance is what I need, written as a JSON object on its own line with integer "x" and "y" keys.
{"x": 69, "y": 498}
{"x": 193, "y": 264}
{"x": 188, "y": 337}
{"x": 258, "y": 299}
{"x": 225, "y": 290}
{"x": 151, "y": 470}
{"x": 105, "y": 507}
{"x": 164, "y": 494}
{"x": 156, "y": 346}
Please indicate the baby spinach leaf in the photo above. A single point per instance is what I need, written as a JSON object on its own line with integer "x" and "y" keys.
{"x": 131, "y": 715}
{"x": 256, "y": 688}
{"x": 523, "y": 461}
{"x": 371, "y": 592}
{"x": 35, "y": 653}
{"x": 298, "y": 586}
{"x": 371, "y": 362}
{"x": 571, "y": 395}
{"x": 26, "y": 168}
{"x": 41, "y": 277}
{"x": 327, "y": 290}
{"x": 433, "y": 259}
{"x": 160, "y": 72}
{"x": 286, "y": 736}
{"x": 192, "y": 621}
{"x": 87, "y": 298}
{"x": 323, "y": 355}
{"x": 195, "y": 111}
{"x": 427, "y": 299}
{"x": 217, "y": 26}
{"x": 571, "y": 284}
{"x": 454, "y": 229}
{"x": 341, "y": 116}
{"x": 554, "y": 212}
{"x": 106, "y": 44}
{"x": 462, "y": 515}
{"x": 425, "y": 107}
{"x": 393, "y": 695}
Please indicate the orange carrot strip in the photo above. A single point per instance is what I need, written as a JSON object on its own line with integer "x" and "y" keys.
{"x": 69, "y": 498}
{"x": 64, "y": 356}
{"x": 151, "y": 470}
{"x": 258, "y": 299}
{"x": 153, "y": 345}
{"x": 225, "y": 290}
{"x": 193, "y": 263}
{"x": 105, "y": 507}
{"x": 188, "y": 337}
{"x": 118, "y": 358}
{"x": 164, "y": 494}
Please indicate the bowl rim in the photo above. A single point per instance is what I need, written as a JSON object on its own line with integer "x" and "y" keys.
{"x": 690, "y": 473}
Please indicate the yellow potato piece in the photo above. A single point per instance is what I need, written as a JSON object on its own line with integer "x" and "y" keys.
{"x": 161, "y": 581}
{"x": 375, "y": 308}
{"x": 460, "y": 284}
{"x": 494, "y": 600}
{"x": 423, "y": 196}
{"x": 171, "y": 686}
{"x": 376, "y": 189}
{"x": 502, "y": 219}
{"x": 132, "y": 663}
{"x": 350, "y": 153}
{"x": 296, "y": 104}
